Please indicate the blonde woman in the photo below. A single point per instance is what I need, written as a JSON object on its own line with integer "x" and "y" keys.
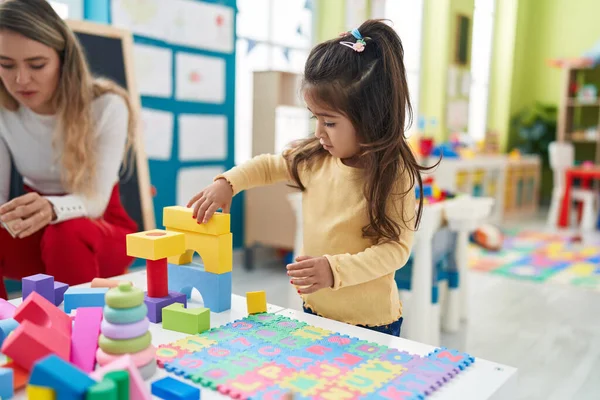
{"x": 67, "y": 135}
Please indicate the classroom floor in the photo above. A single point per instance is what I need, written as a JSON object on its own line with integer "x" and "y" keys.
{"x": 550, "y": 332}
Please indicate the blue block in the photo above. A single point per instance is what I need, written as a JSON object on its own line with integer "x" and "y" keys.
{"x": 214, "y": 288}
{"x": 6, "y": 383}
{"x": 173, "y": 389}
{"x": 68, "y": 381}
{"x": 84, "y": 297}
{"x": 6, "y": 327}
{"x": 59, "y": 292}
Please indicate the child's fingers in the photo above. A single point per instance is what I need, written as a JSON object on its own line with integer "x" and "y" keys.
{"x": 303, "y": 281}
{"x": 201, "y": 202}
{"x": 300, "y": 265}
{"x": 302, "y": 274}
{"x": 226, "y": 207}
{"x": 303, "y": 258}
{"x": 309, "y": 289}
{"x": 210, "y": 211}
{"x": 195, "y": 199}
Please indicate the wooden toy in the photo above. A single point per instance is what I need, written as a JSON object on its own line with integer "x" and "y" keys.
{"x": 106, "y": 389}
{"x": 256, "y": 302}
{"x": 124, "y": 296}
{"x": 124, "y": 331}
{"x": 68, "y": 381}
{"x": 20, "y": 375}
{"x": 6, "y": 327}
{"x": 214, "y": 288}
{"x": 7, "y": 309}
{"x": 40, "y": 283}
{"x": 140, "y": 358}
{"x": 84, "y": 340}
{"x": 121, "y": 380}
{"x": 6, "y": 383}
{"x": 155, "y": 246}
{"x": 125, "y": 346}
{"x": 138, "y": 390}
{"x": 40, "y": 393}
{"x": 125, "y": 315}
{"x": 186, "y": 320}
{"x": 108, "y": 283}
{"x": 155, "y": 305}
{"x": 59, "y": 292}
{"x": 173, "y": 389}
{"x": 84, "y": 297}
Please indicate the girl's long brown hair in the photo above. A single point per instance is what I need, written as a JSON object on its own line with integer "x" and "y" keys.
{"x": 370, "y": 89}
{"x": 37, "y": 20}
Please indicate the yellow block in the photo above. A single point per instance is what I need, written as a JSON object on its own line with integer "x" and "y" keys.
{"x": 180, "y": 218}
{"x": 40, "y": 393}
{"x": 257, "y": 302}
{"x": 216, "y": 251}
{"x": 155, "y": 244}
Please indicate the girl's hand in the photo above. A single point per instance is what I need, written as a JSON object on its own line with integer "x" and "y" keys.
{"x": 311, "y": 273}
{"x": 35, "y": 211}
{"x": 218, "y": 195}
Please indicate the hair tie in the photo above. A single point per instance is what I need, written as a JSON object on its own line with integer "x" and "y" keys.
{"x": 359, "y": 45}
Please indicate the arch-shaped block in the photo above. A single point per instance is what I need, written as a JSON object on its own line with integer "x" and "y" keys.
{"x": 216, "y": 251}
{"x": 214, "y": 288}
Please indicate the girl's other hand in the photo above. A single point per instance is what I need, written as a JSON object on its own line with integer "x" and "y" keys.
{"x": 34, "y": 211}
{"x": 207, "y": 202}
{"x": 312, "y": 273}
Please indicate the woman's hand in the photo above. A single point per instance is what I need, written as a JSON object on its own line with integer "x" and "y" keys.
{"x": 218, "y": 195}
{"x": 311, "y": 273}
{"x": 35, "y": 211}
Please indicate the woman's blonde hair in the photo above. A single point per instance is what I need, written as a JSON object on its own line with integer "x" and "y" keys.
{"x": 37, "y": 20}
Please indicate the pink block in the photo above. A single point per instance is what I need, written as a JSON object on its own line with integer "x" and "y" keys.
{"x": 39, "y": 311}
{"x": 7, "y": 310}
{"x": 138, "y": 390}
{"x": 84, "y": 340}
{"x": 140, "y": 358}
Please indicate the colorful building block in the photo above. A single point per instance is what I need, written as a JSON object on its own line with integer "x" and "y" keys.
{"x": 84, "y": 340}
{"x": 180, "y": 218}
{"x": 214, "y": 288}
{"x": 6, "y": 327}
{"x": 156, "y": 278}
{"x": 84, "y": 297}
{"x": 59, "y": 292}
{"x": 155, "y": 305}
{"x": 125, "y": 315}
{"x": 106, "y": 389}
{"x": 173, "y": 389}
{"x": 125, "y": 331}
{"x": 40, "y": 311}
{"x": 138, "y": 390}
{"x": 186, "y": 320}
{"x": 216, "y": 251}
{"x": 7, "y": 309}
{"x": 68, "y": 381}
{"x": 121, "y": 380}
{"x": 108, "y": 283}
{"x": 155, "y": 244}
{"x": 125, "y": 346}
{"x": 39, "y": 283}
{"x": 40, "y": 393}
{"x": 20, "y": 375}
{"x": 125, "y": 295}
{"x": 6, "y": 383}
{"x": 256, "y": 302}
{"x": 140, "y": 358}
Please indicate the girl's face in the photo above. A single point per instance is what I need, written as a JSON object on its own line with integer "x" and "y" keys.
{"x": 29, "y": 70}
{"x": 334, "y": 130}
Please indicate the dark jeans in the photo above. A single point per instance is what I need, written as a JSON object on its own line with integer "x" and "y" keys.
{"x": 391, "y": 329}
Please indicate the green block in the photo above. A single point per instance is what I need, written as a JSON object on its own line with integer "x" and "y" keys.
{"x": 121, "y": 379}
{"x": 186, "y": 320}
{"x": 103, "y": 390}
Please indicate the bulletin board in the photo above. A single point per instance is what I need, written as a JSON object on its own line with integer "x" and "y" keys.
{"x": 184, "y": 56}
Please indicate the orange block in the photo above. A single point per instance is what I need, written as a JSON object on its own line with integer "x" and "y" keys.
{"x": 20, "y": 375}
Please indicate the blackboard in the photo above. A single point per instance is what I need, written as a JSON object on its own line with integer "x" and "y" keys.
{"x": 109, "y": 54}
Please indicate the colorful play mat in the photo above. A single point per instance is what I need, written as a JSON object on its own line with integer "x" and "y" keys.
{"x": 542, "y": 257}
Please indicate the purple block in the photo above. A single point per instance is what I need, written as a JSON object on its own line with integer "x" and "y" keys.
{"x": 59, "y": 292}
{"x": 41, "y": 283}
{"x": 156, "y": 304}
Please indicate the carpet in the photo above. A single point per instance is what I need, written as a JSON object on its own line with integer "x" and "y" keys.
{"x": 542, "y": 257}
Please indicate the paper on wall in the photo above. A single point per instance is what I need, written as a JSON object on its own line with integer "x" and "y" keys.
{"x": 153, "y": 70}
{"x": 192, "y": 180}
{"x": 457, "y": 115}
{"x": 200, "y": 78}
{"x": 202, "y": 137}
{"x": 143, "y": 17}
{"x": 157, "y": 128}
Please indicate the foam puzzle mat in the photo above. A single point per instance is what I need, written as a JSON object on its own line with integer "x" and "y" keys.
{"x": 542, "y": 257}
{"x": 265, "y": 356}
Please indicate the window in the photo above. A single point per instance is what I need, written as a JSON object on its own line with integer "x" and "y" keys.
{"x": 68, "y": 9}
{"x": 272, "y": 35}
{"x": 483, "y": 27}
{"x": 407, "y": 19}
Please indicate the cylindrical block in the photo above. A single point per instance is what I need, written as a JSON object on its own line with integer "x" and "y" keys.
{"x": 157, "y": 278}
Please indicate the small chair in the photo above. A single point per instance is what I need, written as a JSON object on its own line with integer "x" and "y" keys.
{"x": 562, "y": 157}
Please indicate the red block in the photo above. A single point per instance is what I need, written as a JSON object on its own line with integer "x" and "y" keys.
{"x": 157, "y": 278}
{"x": 39, "y": 311}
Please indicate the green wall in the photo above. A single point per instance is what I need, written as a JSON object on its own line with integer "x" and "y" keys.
{"x": 331, "y": 19}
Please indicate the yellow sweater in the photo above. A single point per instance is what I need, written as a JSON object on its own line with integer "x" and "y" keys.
{"x": 334, "y": 211}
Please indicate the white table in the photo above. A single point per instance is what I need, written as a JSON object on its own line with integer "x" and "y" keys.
{"x": 482, "y": 380}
